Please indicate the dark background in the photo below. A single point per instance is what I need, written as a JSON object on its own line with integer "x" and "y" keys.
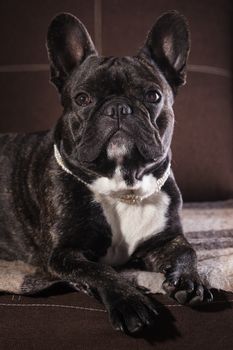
{"x": 203, "y": 140}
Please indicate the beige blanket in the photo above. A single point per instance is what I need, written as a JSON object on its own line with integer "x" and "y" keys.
{"x": 209, "y": 228}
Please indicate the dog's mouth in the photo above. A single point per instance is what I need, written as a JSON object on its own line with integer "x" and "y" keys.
{"x": 117, "y": 151}
{"x": 122, "y": 148}
{"x": 123, "y": 144}
{"x": 133, "y": 144}
{"x": 118, "y": 143}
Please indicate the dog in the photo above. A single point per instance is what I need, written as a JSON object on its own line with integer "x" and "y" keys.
{"x": 93, "y": 202}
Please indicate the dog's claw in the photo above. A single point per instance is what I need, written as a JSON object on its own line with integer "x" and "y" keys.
{"x": 208, "y": 295}
{"x": 188, "y": 289}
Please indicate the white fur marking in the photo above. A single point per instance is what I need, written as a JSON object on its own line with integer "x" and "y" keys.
{"x": 110, "y": 186}
{"x": 132, "y": 224}
{"x": 116, "y": 151}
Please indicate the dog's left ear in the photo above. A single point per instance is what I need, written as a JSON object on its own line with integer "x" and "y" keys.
{"x": 168, "y": 45}
{"x": 68, "y": 45}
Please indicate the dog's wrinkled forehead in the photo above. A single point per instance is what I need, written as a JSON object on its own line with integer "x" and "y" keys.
{"x": 102, "y": 76}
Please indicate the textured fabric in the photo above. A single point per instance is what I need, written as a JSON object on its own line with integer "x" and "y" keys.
{"x": 209, "y": 228}
{"x": 62, "y": 319}
{"x": 76, "y": 322}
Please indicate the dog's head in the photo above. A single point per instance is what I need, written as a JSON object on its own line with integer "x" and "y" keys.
{"x": 117, "y": 123}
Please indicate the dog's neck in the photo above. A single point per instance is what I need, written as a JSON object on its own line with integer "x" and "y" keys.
{"x": 125, "y": 198}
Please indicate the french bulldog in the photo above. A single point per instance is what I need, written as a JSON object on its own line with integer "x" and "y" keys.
{"x": 93, "y": 202}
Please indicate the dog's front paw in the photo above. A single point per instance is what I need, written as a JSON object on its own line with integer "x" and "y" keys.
{"x": 186, "y": 287}
{"x": 131, "y": 313}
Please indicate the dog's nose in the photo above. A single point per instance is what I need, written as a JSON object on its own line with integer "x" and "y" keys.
{"x": 118, "y": 110}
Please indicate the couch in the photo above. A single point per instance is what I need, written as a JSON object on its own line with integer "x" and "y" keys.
{"x": 60, "y": 318}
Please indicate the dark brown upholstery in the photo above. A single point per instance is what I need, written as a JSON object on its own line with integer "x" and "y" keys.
{"x": 76, "y": 322}
{"x": 202, "y": 157}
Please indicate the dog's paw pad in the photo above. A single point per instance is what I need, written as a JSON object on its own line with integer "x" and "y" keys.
{"x": 188, "y": 289}
{"x": 133, "y": 315}
{"x": 181, "y": 296}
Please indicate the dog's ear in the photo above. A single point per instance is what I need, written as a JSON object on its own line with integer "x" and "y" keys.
{"x": 68, "y": 45}
{"x": 168, "y": 45}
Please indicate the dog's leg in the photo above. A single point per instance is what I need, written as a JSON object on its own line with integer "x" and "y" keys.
{"x": 170, "y": 254}
{"x": 177, "y": 260}
{"x": 215, "y": 272}
{"x": 129, "y": 309}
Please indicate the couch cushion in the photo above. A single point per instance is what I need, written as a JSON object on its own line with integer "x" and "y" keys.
{"x": 75, "y": 321}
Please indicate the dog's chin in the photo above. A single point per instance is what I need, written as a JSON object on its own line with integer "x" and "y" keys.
{"x": 133, "y": 173}
{"x": 120, "y": 145}
{"x": 120, "y": 168}
{"x": 123, "y": 145}
{"x": 122, "y": 149}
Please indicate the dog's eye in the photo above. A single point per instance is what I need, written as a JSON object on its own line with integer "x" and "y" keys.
{"x": 83, "y": 99}
{"x": 153, "y": 96}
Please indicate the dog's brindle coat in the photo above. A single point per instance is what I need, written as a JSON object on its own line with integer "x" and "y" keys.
{"x": 114, "y": 136}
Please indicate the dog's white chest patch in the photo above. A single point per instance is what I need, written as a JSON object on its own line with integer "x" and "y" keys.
{"x": 132, "y": 224}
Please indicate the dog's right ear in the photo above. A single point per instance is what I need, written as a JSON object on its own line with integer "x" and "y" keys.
{"x": 68, "y": 45}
